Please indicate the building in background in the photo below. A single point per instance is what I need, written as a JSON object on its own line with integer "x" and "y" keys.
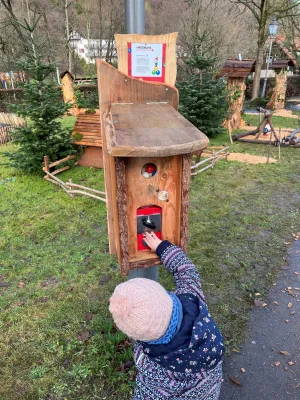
{"x": 90, "y": 49}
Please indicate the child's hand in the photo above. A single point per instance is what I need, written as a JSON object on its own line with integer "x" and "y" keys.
{"x": 152, "y": 240}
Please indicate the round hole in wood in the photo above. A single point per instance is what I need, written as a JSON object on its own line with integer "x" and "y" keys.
{"x": 149, "y": 170}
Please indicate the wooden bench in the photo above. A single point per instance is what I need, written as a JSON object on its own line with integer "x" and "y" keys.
{"x": 88, "y": 126}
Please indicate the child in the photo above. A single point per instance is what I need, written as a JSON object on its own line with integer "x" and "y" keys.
{"x": 178, "y": 351}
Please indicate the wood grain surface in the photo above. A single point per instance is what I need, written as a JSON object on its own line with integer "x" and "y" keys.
{"x": 88, "y": 125}
{"x": 152, "y": 130}
{"x": 167, "y": 178}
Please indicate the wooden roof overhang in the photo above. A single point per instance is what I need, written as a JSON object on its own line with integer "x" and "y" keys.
{"x": 155, "y": 130}
{"x": 279, "y": 64}
{"x": 237, "y": 68}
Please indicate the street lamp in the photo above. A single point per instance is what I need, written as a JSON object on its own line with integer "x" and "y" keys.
{"x": 272, "y": 30}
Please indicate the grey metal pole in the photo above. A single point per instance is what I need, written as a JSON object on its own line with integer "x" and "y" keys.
{"x": 263, "y": 93}
{"x": 135, "y": 23}
{"x": 140, "y": 16}
{"x": 57, "y": 75}
{"x": 130, "y": 16}
{"x": 149, "y": 273}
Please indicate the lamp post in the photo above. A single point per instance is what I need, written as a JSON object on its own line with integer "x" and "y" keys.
{"x": 272, "y": 30}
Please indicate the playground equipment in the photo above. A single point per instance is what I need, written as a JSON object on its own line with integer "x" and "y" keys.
{"x": 266, "y": 127}
{"x": 236, "y": 72}
{"x": 292, "y": 139}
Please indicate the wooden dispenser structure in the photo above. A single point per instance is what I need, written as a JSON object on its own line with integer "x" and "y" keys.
{"x": 277, "y": 100}
{"x": 147, "y": 148}
{"x": 236, "y": 71}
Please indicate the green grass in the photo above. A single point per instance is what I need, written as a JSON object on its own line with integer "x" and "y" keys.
{"x": 240, "y": 216}
{"x": 66, "y": 122}
{"x": 58, "y": 247}
{"x": 296, "y": 112}
{"x": 278, "y": 122}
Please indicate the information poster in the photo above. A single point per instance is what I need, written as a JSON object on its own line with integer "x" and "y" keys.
{"x": 147, "y": 61}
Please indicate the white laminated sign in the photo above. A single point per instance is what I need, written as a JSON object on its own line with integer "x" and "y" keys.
{"x": 147, "y": 61}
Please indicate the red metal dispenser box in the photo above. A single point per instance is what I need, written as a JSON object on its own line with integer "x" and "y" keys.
{"x": 148, "y": 220}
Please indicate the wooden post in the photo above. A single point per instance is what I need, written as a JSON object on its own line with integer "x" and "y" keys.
{"x": 213, "y": 160}
{"x": 279, "y": 144}
{"x": 72, "y": 195}
{"x": 198, "y": 155}
{"x": 269, "y": 147}
{"x": 229, "y": 131}
{"x": 185, "y": 199}
{"x": 46, "y": 164}
{"x": 277, "y": 100}
{"x": 273, "y": 130}
{"x": 68, "y": 92}
{"x": 236, "y": 108}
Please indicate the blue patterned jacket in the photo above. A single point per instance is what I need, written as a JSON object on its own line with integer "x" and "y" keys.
{"x": 190, "y": 366}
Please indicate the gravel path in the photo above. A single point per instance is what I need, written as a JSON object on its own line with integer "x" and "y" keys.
{"x": 273, "y": 329}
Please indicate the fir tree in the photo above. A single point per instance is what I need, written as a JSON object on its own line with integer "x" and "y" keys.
{"x": 203, "y": 98}
{"x": 41, "y": 107}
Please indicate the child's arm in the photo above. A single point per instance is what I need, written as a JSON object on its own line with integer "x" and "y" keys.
{"x": 186, "y": 276}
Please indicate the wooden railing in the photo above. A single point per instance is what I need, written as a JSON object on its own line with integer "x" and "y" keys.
{"x": 69, "y": 186}
{"x": 211, "y": 161}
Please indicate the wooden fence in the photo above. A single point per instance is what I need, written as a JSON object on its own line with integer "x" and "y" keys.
{"x": 5, "y": 134}
{"x": 207, "y": 163}
{"x": 8, "y": 123}
{"x": 72, "y": 189}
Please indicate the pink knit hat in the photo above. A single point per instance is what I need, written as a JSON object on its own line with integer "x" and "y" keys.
{"x": 142, "y": 309}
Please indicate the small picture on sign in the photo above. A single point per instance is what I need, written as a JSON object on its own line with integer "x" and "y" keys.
{"x": 156, "y": 70}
